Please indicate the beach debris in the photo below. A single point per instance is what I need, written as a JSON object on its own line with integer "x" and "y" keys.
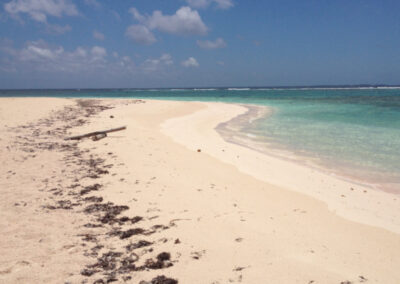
{"x": 97, "y": 134}
{"x": 362, "y": 278}
{"x": 108, "y": 261}
{"x": 159, "y": 227}
{"x": 89, "y": 272}
{"x": 88, "y": 237}
{"x": 97, "y": 137}
{"x": 62, "y": 204}
{"x": 163, "y": 261}
{"x": 109, "y": 265}
{"x": 111, "y": 212}
{"x": 197, "y": 254}
{"x": 160, "y": 280}
{"x": 137, "y": 245}
{"x": 198, "y": 150}
{"x": 91, "y": 225}
{"x": 240, "y": 268}
{"x": 96, "y": 199}
{"x": 90, "y": 188}
{"x": 128, "y": 233}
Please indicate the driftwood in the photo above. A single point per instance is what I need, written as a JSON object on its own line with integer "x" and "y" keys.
{"x": 97, "y": 135}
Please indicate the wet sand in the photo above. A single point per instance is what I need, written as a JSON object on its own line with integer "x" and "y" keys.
{"x": 159, "y": 202}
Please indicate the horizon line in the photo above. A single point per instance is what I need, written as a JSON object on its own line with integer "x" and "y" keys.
{"x": 348, "y": 86}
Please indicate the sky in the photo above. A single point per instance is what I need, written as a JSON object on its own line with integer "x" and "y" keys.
{"x": 198, "y": 43}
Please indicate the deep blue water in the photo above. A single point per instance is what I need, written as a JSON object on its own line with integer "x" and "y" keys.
{"x": 353, "y": 132}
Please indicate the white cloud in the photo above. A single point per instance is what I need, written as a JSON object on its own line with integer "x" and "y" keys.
{"x": 93, "y": 3}
{"x": 58, "y": 30}
{"x": 140, "y": 34}
{"x": 185, "y": 21}
{"x": 37, "y": 52}
{"x": 224, "y": 4}
{"x": 98, "y": 53}
{"x": 190, "y": 62}
{"x": 158, "y": 64}
{"x": 98, "y": 35}
{"x": 39, "y": 56}
{"x": 207, "y": 44}
{"x": 126, "y": 63}
{"x": 135, "y": 13}
{"x": 81, "y": 52}
{"x": 38, "y": 10}
{"x": 221, "y": 4}
{"x": 166, "y": 59}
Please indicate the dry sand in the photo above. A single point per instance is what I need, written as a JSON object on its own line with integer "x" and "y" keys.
{"x": 225, "y": 214}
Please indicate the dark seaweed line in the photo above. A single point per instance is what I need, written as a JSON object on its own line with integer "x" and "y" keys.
{"x": 43, "y": 135}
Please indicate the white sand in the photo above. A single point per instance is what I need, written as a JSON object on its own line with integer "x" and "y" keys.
{"x": 353, "y": 201}
{"x": 248, "y": 217}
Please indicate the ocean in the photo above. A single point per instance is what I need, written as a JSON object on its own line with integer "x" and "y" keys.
{"x": 353, "y": 133}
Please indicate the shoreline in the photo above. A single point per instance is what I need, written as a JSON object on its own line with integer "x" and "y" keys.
{"x": 374, "y": 207}
{"x": 175, "y": 211}
{"x": 227, "y": 131}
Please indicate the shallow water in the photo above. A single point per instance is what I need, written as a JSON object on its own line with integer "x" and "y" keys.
{"x": 351, "y": 132}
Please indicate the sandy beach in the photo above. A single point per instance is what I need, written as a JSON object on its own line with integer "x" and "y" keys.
{"x": 169, "y": 199}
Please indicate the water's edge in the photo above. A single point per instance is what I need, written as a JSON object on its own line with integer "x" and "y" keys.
{"x": 233, "y": 131}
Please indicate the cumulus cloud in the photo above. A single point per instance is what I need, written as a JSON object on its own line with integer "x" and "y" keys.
{"x": 140, "y": 34}
{"x": 190, "y": 62}
{"x": 98, "y": 35}
{"x": 207, "y": 44}
{"x": 136, "y": 14}
{"x": 39, "y": 56}
{"x": 39, "y": 10}
{"x": 152, "y": 65}
{"x": 221, "y": 4}
{"x": 57, "y": 30}
{"x": 166, "y": 59}
{"x": 98, "y": 53}
{"x": 185, "y": 21}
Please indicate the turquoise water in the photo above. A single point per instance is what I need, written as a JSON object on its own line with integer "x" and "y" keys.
{"x": 351, "y": 132}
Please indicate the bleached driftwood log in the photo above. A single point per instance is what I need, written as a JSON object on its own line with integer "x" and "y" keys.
{"x": 97, "y": 135}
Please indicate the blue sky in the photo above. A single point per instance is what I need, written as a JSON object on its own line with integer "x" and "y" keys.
{"x": 197, "y": 43}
